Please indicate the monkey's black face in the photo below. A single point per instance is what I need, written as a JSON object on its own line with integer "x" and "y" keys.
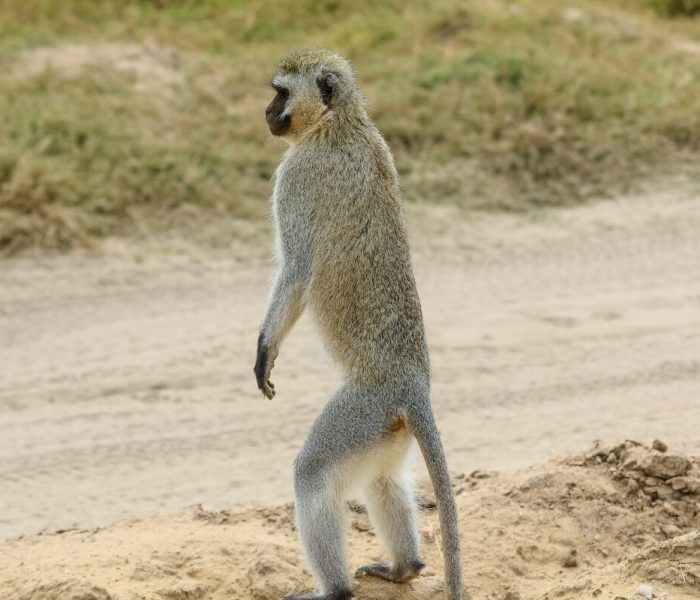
{"x": 278, "y": 123}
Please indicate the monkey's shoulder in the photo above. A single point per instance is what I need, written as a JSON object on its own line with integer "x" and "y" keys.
{"x": 352, "y": 163}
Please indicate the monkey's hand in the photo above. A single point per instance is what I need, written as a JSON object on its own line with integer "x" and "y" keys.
{"x": 263, "y": 367}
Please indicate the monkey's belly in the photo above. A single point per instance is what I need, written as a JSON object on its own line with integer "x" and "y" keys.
{"x": 392, "y": 455}
{"x": 372, "y": 355}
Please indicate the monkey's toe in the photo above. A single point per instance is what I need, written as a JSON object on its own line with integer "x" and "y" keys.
{"x": 268, "y": 389}
{"x": 396, "y": 574}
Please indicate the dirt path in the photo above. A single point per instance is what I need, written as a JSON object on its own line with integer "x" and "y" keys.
{"x": 126, "y": 384}
{"x": 582, "y": 527}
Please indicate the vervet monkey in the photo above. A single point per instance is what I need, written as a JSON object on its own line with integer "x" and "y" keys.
{"x": 343, "y": 250}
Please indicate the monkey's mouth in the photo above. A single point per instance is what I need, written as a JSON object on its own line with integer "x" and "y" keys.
{"x": 279, "y": 125}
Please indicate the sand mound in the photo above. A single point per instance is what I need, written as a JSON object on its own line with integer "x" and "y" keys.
{"x": 675, "y": 561}
{"x": 596, "y": 525}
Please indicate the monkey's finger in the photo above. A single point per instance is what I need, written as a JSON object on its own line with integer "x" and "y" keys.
{"x": 259, "y": 376}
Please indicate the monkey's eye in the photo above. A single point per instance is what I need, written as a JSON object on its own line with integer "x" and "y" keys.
{"x": 282, "y": 92}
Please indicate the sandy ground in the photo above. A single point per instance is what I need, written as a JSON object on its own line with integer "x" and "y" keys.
{"x": 126, "y": 383}
{"x": 598, "y": 525}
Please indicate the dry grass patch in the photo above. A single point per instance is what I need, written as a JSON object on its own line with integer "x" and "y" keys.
{"x": 147, "y": 116}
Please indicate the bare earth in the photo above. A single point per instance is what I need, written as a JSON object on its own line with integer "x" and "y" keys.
{"x": 126, "y": 389}
{"x": 583, "y": 527}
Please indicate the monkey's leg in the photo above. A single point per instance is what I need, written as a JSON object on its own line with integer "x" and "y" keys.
{"x": 391, "y": 510}
{"x": 320, "y": 522}
{"x": 351, "y": 423}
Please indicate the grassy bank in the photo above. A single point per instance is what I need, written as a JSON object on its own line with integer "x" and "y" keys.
{"x": 123, "y": 116}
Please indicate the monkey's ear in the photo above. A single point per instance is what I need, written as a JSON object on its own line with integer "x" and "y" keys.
{"x": 328, "y": 87}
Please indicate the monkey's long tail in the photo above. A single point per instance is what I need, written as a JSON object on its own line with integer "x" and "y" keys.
{"x": 422, "y": 423}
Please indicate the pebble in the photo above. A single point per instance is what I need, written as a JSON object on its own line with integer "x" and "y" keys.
{"x": 659, "y": 445}
{"x": 688, "y": 484}
{"x": 670, "y": 530}
{"x": 571, "y": 561}
{"x": 360, "y": 524}
{"x": 645, "y": 590}
{"x": 665, "y": 466}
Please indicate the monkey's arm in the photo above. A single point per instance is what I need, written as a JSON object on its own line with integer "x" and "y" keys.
{"x": 286, "y": 304}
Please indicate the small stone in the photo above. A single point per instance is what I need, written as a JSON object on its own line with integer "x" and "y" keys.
{"x": 593, "y": 454}
{"x": 478, "y": 474}
{"x": 664, "y": 491}
{"x": 691, "y": 485}
{"x": 633, "y": 456}
{"x": 670, "y": 530}
{"x": 360, "y": 524}
{"x": 645, "y": 590}
{"x": 684, "y": 510}
{"x": 631, "y": 486}
{"x": 651, "y": 492}
{"x": 184, "y": 591}
{"x": 665, "y": 466}
{"x": 674, "y": 508}
{"x": 659, "y": 445}
{"x": 571, "y": 561}
{"x": 678, "y": 483}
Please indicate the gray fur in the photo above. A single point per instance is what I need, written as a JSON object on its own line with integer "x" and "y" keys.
{"x": 343, "y": 251}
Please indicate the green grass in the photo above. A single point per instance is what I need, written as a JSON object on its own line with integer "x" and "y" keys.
{"x": 490, "y": 105}
{"x": 675, "y": 8}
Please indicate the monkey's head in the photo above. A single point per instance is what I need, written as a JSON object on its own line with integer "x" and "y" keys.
{"x": 313, "y": 86}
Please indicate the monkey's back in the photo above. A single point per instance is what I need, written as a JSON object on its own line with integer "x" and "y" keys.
{"x": 362, "y": 292}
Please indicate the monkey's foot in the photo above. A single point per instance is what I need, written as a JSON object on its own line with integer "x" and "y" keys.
{"x": 397, "y": 574}
{"x": 339, "y": 595}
